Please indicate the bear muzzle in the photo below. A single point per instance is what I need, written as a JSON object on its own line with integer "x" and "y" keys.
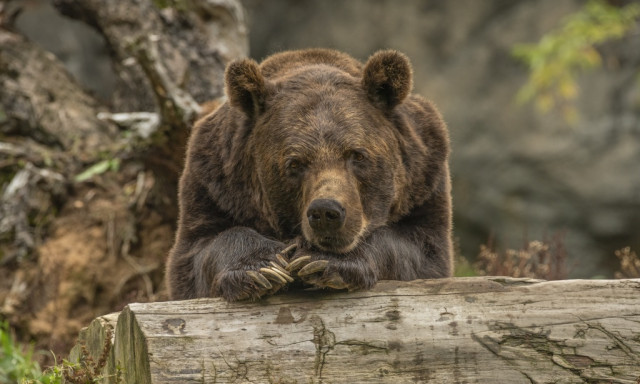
{"x": 328, "y": 226}
{"x": 325, "y": 216}
{"x": 332, "y": 219}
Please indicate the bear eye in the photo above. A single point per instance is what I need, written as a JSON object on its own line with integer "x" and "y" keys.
{"x": 357, "y": 156}
{"x": 293, "y": 166}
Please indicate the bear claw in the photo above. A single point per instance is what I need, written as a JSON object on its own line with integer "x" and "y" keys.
{"x": 259, "y": 279}
{"x": 298, "y": 263}
{"x": 313, "y": 267}
{"x": 283, "y": 256}
{"x": 283, "y": 262}
{"x": 336, "y": 282}
{"x": 282, "y": 271}
{"x": 273, "y": 275}
{"x": 288, "y": 250}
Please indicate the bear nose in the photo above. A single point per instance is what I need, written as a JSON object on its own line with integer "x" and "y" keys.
{"x": 325, "y": 215}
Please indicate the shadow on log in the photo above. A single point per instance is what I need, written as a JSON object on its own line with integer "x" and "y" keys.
{"x": 484, "y": 330}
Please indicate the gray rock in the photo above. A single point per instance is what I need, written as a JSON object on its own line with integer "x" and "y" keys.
{"x": 516, "y": 173}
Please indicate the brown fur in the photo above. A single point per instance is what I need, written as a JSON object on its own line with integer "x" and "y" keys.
{"x": 306, "y": 127}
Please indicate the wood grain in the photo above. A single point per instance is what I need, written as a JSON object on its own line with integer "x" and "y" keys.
{"x": 460, "y": 330}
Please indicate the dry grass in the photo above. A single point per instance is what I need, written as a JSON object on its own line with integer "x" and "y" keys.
{"x": 545, "y": 259}
{"x": 629, "y": 264}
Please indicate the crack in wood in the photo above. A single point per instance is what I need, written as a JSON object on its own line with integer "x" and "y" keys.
{"x": 494, "y": 349}
{"x": 618, "y": 341}
{"x": 240, "y": 370}
{"x": 491, "y": 347}
{"x": 526, "y": 375}
{"x": 366, "y": 347}
{"x": 575, "y": 364}
{"x": 215, "y": 373}
{"x": 324, "y": 340}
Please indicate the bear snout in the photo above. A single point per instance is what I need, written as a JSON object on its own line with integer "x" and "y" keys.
{"x": 325, "y": 215}
{"x": 332, "y": 220}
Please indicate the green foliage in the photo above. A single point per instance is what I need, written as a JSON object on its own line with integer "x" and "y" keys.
{"x": 18, "y": 367}
{"x": 181, "y": 5}
{"x": 53, "y": 375}
{"x": 561, "y": 55}
{"x": 3, "y": 116}
{"x": 16, "y": 363}
{"x": 98, "y": 168}
{"x": 463, "y": 268}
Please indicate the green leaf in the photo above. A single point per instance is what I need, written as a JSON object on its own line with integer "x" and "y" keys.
{"x": 560, "y": 55}
{"x": 97, "y": 169}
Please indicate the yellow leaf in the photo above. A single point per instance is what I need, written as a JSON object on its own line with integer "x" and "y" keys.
{"x": 544, "y": 102}
{"x": 568, "y": 89}
{"x": 591, "y": 57}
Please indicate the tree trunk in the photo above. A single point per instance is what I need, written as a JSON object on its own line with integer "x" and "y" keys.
{"x": 471, "y": 330}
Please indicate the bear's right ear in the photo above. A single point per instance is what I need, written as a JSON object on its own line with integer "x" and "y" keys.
{"x": 246, "y": 87}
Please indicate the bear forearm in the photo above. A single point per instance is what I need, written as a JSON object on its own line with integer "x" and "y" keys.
{"x": 199, "y": 270}
{"x": 407, "y": 254}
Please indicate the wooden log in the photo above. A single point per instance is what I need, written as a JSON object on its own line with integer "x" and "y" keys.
{"x": 97, "y": 341}
{"x": 460, "y": 330}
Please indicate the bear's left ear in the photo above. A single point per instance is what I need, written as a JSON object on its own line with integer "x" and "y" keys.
{"x": 387, "y": 78}
{"x": 245, "y": 86}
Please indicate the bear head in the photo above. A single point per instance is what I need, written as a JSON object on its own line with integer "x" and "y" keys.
{"x": 324, "y": 142}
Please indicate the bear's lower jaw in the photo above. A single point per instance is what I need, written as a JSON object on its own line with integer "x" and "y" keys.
{"x": 334, "y": 244}
{"x": 338, "y": 242}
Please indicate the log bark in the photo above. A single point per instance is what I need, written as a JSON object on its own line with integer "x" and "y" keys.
{"x": 96, "y": 341}
{"x": 471, "y": 330}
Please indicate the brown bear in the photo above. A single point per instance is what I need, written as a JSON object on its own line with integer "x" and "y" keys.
{"x": 318, "y": 171}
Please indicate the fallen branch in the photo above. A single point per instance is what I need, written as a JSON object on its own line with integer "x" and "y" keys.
{"x": 483, "y": 330}
{"x": 177, "y": 107}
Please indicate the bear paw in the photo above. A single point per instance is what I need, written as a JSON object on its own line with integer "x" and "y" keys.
{"x": 335, "y": 274}
{"x": 245, "y": 284}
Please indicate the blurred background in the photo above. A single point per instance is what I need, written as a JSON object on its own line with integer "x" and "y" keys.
{"x": 519, "y": 174}
{"x": 542, "y": 100}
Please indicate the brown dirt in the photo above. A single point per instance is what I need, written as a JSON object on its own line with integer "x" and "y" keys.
{"x": 72, "y": 251}
{"x": 105, "y": 249}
